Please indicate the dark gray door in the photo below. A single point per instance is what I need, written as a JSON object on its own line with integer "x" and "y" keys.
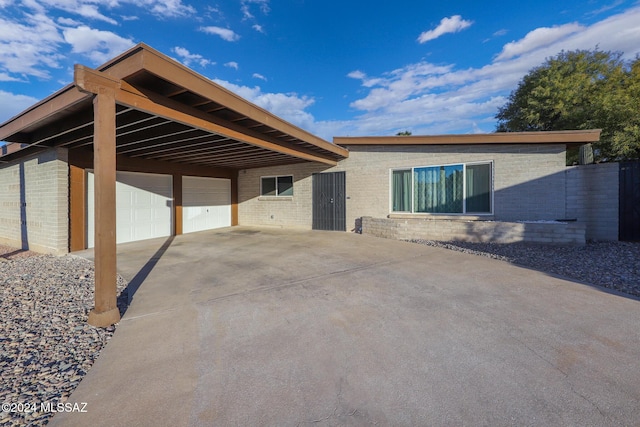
{"x": 629, "y": 228}
{"x": 329, "y": 210}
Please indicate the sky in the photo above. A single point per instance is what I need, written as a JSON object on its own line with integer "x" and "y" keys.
{"x": 334, "y": 68}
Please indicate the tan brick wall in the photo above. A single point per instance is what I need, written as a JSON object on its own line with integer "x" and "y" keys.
{"x": 571, "y": 233}
{"x": 292, "y": 211}
{"x": 592, "y": 198}
{"x": 529, "y": 182}
{"x": 34, "y": 203}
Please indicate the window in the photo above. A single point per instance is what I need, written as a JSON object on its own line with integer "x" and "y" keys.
{"x": 276, "y": 186}
{"x": 446, "y": 189}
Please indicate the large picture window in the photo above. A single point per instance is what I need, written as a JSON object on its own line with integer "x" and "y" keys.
{"x": 276, "y": 185}
{"x": 443, "y": 189}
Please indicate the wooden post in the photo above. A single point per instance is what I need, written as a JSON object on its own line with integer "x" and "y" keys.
{"x": 105, "y": 311}
{"x": 177, "y": 204}
{"x": 77, "y": 208}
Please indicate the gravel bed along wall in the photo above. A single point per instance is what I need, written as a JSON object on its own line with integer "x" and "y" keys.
{"x": 46, "y": 344}
{"x": 613, "y": 265}
{"x": 8, "y": 252}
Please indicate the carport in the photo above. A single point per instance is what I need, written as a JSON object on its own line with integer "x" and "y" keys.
{"x": 144, "y": 112}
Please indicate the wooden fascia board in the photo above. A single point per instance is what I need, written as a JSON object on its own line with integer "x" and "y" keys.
{"x": 555, "y": 137}
{"x": 94, "y": 81}
{"x": 41, "y": 111}
{"x": 164, "y": 67}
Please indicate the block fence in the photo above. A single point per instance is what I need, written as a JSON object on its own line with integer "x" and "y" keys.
{"x": 561, "y": 233}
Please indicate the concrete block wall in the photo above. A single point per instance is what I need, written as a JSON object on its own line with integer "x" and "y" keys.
{"x": 34, "y": 203}
{"x": 560, "y": 233}
{"x": 592, "y": 198}
{"x": 529, "y": 182}
{"x": 292, "y": 212}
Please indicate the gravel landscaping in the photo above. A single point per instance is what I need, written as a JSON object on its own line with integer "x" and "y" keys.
{"x": 613, "y": 265}
{"x": 46, "y": 345}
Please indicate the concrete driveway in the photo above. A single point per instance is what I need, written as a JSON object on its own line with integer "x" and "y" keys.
{"x": 247, "y": 326}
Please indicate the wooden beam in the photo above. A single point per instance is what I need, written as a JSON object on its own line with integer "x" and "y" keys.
{"x": 105, "y": 311}
{"x": 44, "y": 109}
{"x": 177, "y": 204}
{"x": 193, "y": 117}
{"x": 234, "y": 198}
{"x": 91, "y": 80}
{"x": 77, "y": 208}
{"x": 170, "y": 70}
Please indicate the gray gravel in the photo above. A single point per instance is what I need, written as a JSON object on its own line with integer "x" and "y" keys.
{"x": 46, "y": 345}
{"x": 613, "y": 265}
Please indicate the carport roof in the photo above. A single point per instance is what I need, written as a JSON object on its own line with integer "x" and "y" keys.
{"x": 165, "y": 112}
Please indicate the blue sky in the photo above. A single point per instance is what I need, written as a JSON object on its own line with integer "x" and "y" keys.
{"x": 335, "y": 68}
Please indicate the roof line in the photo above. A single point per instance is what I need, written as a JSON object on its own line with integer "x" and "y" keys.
{"x": 542, "y": 137}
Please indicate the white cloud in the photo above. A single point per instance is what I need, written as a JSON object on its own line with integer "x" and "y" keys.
{"x": 68, "y": 22}
{"x": 431, "y": 98}
{"x": 245, "y": 7}
{"x": 13, "y": 104}
{"x": 538, "y": 38}
{"x": 357, "y": 74}
{"x": 165, "y": 8}
{"x": 97, "y": 45}
{"x": 189, "y": 58}
{"x": 232, "y": 64}
{"x": 447, "y": 25}
{"x": 85, "y": 8}
{"x": 607, "y": 7}
{"x": 258, "y": 28}
{"x": 259, "y": 76}
{"x": 4, "y": 77}
{"x": 28, "y": 48}
{"x": 289, "y": 106}
{"x": 224, "y": 33}
{"x": 91, "y": 9}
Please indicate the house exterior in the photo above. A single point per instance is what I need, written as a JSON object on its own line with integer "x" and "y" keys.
{"x": 175, "y": 177}
{"x": 509, "y": 187}
{"x": 144, "y": 147}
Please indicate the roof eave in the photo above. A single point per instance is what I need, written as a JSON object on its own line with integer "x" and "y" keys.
{"x": 570, "y": 137}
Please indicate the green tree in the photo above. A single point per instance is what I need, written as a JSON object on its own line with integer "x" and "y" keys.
{"x": 581, "y": 89}
{"x": 404, "y": 133}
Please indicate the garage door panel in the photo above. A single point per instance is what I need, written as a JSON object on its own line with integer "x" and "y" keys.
{"x": 206, "y": 203}
{"x": 143, "y": 207}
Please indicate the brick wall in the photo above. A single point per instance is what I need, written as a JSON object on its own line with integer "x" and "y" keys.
{"x": 292, "y": 211}
{"x": 529, "y": 182}
{"x": 34, "y": 203}
{"x": 592, "y": 198}
{"x": 475, "y": 231}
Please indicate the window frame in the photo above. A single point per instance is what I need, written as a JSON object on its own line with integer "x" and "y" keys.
{"x": 276, "y": 177}
{"x": 464, "y": 189}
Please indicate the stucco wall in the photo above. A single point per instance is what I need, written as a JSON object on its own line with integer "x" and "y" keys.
{"x": 34, "y": 203}
{"x": 592, "y": 198}
{"x": 529, "y": 182}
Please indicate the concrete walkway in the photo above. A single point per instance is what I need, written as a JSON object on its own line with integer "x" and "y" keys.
{"x": 247, "y": 326}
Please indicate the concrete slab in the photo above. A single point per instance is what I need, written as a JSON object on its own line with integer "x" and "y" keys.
{"x": 248, "y": 326}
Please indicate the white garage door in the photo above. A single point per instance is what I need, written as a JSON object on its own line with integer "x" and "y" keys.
{"x": 206, "y": 203}
{"x": 143, "y": 207}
